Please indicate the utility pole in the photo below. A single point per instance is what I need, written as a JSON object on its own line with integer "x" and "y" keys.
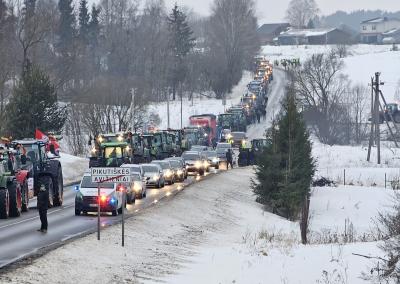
{"x": 180, "y": 91}
{"x": 133, "y": 110}
{"x": 168, "y": 107}
{"x": 375, "y": 135}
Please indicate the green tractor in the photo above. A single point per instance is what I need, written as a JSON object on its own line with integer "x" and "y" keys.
{"x": 177, "y": 136}
{"x": 111, "y": 154}
{"x": 10, "y": 193}
{"x": 133, "y": 142}
{"x": 148, "y": 152}
{"x": 162, "y": 145}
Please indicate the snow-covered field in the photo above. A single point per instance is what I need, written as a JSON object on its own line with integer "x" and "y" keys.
{"x": 360, "y": 65}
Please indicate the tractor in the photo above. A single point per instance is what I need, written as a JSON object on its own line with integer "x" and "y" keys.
{"x": 111, "y": 154}
{"x": 46, "y": 169}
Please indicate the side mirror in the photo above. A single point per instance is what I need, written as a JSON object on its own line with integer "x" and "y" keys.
{"x": 23, "y": 159}
{"x": 147, "y": 178}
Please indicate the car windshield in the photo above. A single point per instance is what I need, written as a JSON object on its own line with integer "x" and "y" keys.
{"x": 175, "y": 164}
{"x": 164, "y": 165}
{"x": 197, "y": 148}
{"x": 87, "y": 183}
{"x": 191, "y": 157}
{"x": 223, "y": 146}
{"x": 135, "y": 177}
{"x": 210, "y": 154}
{"x": 222, "y": 150}
{"x": 238, "y": 135}
{"x": 150, "y": 169}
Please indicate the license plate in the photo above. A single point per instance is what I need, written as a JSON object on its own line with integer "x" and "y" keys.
{"x": 92, "y": 205}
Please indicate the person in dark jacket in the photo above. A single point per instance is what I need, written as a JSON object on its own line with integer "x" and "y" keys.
{"x": 229, "y": 159}
{"x": 42, "y": 205}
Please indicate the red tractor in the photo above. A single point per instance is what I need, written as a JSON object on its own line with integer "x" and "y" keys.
{"x": 209, "y": 123}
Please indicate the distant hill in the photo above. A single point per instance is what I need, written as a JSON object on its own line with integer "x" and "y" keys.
{"x": 353, "y": 19}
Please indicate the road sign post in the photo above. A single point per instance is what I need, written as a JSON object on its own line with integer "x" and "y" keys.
{"x": 110, "y": 175}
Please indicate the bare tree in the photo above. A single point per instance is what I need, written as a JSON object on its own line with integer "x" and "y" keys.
{"x": 359, "y": 103}
{"x": 300, "y": 12}
{"x": 231, "y": 41}
{"x": 320, "y": 87}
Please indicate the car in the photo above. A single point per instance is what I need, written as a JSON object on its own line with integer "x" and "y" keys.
{"x": 137, "y": 187}
{"x": 212, "y": 158}
{"x": 194, "y": 162}
{"x": 86, "y": 198}
{"x": 168, "y": 171}
{"x": 198, "y": 148}
{"x": 155, "y": 174}
{"x": 135, "y": 168}
{"x": 179, "y": 166}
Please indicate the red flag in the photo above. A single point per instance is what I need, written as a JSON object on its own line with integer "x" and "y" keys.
{"x": 41, "y": 136}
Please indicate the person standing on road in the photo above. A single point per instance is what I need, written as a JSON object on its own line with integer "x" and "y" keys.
{"x": 42, "y": 205}
{"x": 229, "y": 159}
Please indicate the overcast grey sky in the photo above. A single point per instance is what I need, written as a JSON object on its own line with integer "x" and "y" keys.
{"x": 274, "y": 10}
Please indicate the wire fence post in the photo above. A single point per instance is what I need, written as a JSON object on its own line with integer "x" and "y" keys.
{"x": 344, "y": 176}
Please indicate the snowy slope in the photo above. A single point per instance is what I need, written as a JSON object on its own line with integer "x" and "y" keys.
{"x": 198, "y": 106}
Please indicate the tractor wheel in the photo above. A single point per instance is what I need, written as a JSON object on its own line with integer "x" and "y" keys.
{"x": 15, "y": 197}
{"x": 48, "y": 183}
{"x": 4, "y": 203}
{"x": 58, "y": 188}
{"x": 25, "y": 197}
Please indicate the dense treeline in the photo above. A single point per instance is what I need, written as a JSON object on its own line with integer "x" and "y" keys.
{"x": 99, "y": 54}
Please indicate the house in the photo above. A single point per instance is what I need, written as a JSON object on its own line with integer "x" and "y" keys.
{"x": 268, "y": 32}
{"x": 314, "y": 36}
{"x": 373, "y": 30}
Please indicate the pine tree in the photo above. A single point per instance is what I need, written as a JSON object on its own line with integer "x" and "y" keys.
{"x": 284, "y": 171}
{"x": 34, "y": 105}
{"x": 84, "y": 18}
{"x": 297, "y": 162}
{"x": 66, "y": 29}
{"x": 180, "y": 44}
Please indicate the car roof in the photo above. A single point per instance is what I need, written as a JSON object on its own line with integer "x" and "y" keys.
{"x": 131, "y": 166}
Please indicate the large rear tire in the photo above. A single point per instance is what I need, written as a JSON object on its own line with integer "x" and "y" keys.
{"x": 58, "y": 188}
{"x": 4, "y": 203}
{"x": 15, "y": 199}
{"x": 25, "y": 197}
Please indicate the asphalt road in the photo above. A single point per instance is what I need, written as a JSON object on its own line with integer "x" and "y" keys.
{"x": 19, "y": 238}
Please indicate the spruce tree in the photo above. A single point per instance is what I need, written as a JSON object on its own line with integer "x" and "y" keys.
{"x": 32, "y": 105}
{"x": 84, "y": 18}
{"x": 297, "y": 162}
{"x": 66, "y": 29}
{"x": 284, "y": 171}
{"x": 94, "y": 26}
{"x": 181, "y": 41}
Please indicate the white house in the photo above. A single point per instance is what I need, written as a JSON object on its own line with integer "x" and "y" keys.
{"x": 372, "y": 30}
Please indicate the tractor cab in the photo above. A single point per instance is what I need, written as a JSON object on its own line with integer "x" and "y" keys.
{"x": 148, "y": 153}
{"x": 112, "y": 154}
{"x": 160, "y": 144}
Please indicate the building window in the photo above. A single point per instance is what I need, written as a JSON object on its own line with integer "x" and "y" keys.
{"x": 374, "y": 28}
{"x": 364, "y": 28}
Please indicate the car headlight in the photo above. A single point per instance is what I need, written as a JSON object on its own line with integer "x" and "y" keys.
{"x": 156, "y": 177}
{"x": 198, "y": 164}
{"x": 215, "y": 160}
{"x": 206, "y": 164}
{"x": 137, "y": 187}
{"x": 179, "y": 172}
{"x": 79, "y": 195}
{"x": 168, "y": 173}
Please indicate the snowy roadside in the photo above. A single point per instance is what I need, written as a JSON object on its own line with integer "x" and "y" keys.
{"x": 73, "y": 168}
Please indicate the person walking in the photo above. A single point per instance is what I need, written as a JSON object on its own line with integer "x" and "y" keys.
{"x": 229, "y": 159}
{"x": 42, "y": 205}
